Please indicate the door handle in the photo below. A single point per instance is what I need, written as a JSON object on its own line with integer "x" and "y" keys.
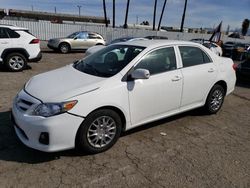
{"x": 176, "y": 78}
{"x": 4, "y": 42}
{"x": 211, "y": 70}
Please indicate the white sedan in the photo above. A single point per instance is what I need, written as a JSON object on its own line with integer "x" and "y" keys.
{"x": 89, "y": 103}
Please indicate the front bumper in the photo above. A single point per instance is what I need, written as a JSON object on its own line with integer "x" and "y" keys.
{"x": 62, "y": 129}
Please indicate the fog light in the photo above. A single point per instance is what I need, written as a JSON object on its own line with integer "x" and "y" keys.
{"x": 44, "y": 138}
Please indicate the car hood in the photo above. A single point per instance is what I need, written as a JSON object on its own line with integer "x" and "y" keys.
{"x": 62, "y": 84}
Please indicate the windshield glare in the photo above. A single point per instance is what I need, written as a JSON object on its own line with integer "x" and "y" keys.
{"x": 108, "y": 61}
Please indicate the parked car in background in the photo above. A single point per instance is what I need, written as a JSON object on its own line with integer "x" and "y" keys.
{"x": 234, "y": 50}
{"x": 126, "y": 39}
{"x": 210, "y": 45}
{"x": 76, "y": 41}
{"x": 89, "y": 103}
{"x": 17, "y": 47}
{"x": 213, "y": 47}
{"x": 154, "y": 37}
{"x": 243, "y": 69}
{"x": 94, "y": 49}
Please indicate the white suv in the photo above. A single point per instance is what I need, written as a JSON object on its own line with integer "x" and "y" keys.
{"x": 17, "y": 47}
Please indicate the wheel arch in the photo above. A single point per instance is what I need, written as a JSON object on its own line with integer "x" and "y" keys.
{"x": 118, "y": 111}
{"x": 223, "y": 84}
{"x": 8, "y": 51}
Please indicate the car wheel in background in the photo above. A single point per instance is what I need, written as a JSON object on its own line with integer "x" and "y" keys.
{"x": 99, "y": 131}
{"x": 15, "y": 62}
{"x": 215, "y": 99}
{"x": 64, "y": 48}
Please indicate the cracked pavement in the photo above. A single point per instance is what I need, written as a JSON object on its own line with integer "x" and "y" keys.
{"x": 196, "y": 150}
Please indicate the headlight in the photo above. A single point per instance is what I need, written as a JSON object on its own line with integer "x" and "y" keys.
{"x": 51, "y": 109}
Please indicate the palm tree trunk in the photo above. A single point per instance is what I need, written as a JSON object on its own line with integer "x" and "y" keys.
{"x": 126, "y": 17}
{"x": 113, "y": 13}
{"x": 105, "y": 14}
{"x": 154, "y": 14}
{"x": 162, "y": 12}
{"x": 183, "y": 16}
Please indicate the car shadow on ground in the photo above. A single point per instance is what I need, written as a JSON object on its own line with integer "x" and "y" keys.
{"x": 11, "y": 148}
{"x": 244, "y": 84}
{"x": 4, "y": 69}
{"x": 58, "y": 52}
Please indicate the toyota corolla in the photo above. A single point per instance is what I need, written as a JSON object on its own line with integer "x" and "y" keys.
{"x": 89, "y": 103}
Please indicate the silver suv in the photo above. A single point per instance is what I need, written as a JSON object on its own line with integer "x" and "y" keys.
{"x": 76, "y": 41}
{"x": 17, "y": 47}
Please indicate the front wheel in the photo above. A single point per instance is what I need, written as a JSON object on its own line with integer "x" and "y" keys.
{"x": 99, "y": 131}
{"x": 64, "y": 48}
{"x": 215, "y": 99}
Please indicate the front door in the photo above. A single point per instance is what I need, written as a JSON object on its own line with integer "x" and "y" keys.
{"x": 159, "y": 95}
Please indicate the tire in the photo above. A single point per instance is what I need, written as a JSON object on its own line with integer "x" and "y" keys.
{"x": 91, "y": 134}
{"x": 215, "y": 99}
{"x": 15, "y": 62}
{"x": 64, "y": 48}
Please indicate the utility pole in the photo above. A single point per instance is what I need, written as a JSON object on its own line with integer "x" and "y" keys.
{"x": 32, "y": 8}
{"x": 154, "y": 14}
{"x": 137, "y": 19}
{"x": 126, "y": 17}
{"x": 183, "y": 16}
{"x": 105, "y": 14}
{"x": 162, "y": 12}
{"x": 55, "y": 10}
{"x": 113, "y": 13}
{"x": 79, "y": 7}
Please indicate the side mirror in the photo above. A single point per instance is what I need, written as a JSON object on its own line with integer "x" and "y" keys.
{"x": 140, "y": 74}
{"x": 75, "y": 38}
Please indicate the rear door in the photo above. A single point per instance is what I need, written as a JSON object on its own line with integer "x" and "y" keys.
{"x": 5, "y": 41}
{"x": 199, "y": 74}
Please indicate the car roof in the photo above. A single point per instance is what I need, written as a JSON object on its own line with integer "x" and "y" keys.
{"x": 13, "y": 27}
{"x": 157, "y": 43}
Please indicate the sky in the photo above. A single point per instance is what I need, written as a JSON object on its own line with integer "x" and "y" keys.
{"x": 200, "y": 13}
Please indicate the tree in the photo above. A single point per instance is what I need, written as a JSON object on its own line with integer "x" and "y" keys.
{"x": 183, "y": 16}
{"x": 245, "y": 26}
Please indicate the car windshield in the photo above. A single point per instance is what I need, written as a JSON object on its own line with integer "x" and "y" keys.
{"x": 73, "y": 35}
{"x": 108, "y": 61}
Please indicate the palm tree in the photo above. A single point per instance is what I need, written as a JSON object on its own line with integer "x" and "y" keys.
{"x": 113, "y": 13}
{"x": 105, "y": 14}
{"x": 183, "y": 16}
{"x": 162, "y": 12}
{"x": 154, "y": 14}
{"x": 126, "y": 17}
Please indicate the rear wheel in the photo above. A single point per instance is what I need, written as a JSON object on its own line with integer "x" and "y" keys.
{"x": 215, "y": 99}
{"x": 64, "y": 48}
{"x": 15, "y": 62}
{"x": 99, "y": 131}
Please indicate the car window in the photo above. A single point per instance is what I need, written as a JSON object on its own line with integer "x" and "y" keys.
{"x": 12, "y": 34}
{"x": 108, "y": 61}
{"x": 3, "y": 33}
{"x": 158, "y": 61}
{"x": 94, "y": 36}
{"x": 82, "y": 35}
{"x": 193, "y": 56}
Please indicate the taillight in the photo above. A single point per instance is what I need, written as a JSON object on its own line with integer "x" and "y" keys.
{"x": 35, "y": 41}
{"x": 235, "y": 66}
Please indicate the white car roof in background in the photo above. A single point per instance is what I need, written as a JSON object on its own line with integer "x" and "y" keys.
{"x": 157, "y": 43}
{"x": 13, "y": 27}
